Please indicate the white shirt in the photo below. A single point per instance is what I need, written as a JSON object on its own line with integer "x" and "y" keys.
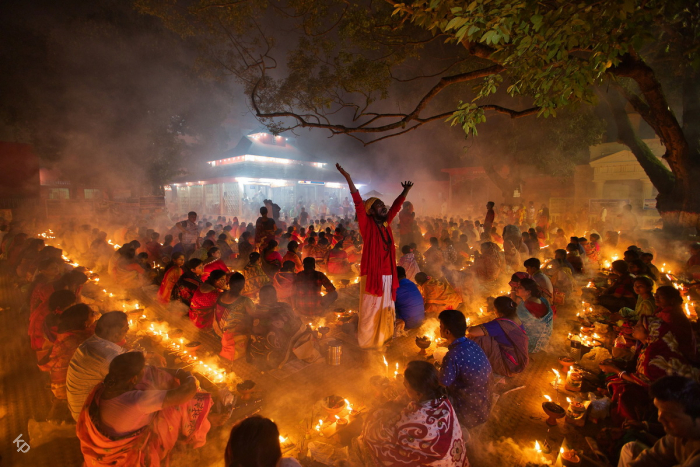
{"x": 89, "y": 366}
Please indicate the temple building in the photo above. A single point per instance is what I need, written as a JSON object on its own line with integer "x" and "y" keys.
{"x": 613, "y": 178}
{"x": 261, "y": 166}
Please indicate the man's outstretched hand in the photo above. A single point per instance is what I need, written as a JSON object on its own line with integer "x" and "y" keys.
{"x": 342, "y": 171}
{"x": 407, "y": 185}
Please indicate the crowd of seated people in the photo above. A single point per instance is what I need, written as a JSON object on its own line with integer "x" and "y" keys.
{"x": 250, "y": 285}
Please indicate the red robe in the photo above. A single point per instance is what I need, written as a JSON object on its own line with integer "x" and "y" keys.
{"x": 376, "y": 260}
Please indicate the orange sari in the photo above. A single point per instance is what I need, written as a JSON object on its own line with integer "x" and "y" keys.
{"x": 170, "y": 278}
{"x": 150, "y": 445}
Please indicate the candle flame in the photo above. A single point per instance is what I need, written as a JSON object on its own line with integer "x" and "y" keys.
{"x": 549, "y": 399}
{"x": 385, "y": 362}
{"x": 337, "y": 418}
{"x": 282, "y": 439}
{"x": 537, "y": 446}
{"x": 568, "y": 399}
{"x": 561, "y": 450}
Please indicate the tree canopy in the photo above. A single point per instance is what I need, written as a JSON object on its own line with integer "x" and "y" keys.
{"x": 463, "y": 60}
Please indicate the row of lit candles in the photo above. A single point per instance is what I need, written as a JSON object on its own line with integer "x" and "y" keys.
{"x": 215, "y": 374}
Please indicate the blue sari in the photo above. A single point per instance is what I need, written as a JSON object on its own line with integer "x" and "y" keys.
{"x": 539, "y": 330}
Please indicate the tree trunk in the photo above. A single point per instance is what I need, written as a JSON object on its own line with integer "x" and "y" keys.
{"x": 678, "y": 201}
{"x": 678, "y": 207}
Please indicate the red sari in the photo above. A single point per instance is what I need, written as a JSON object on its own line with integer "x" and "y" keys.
{"x": 170, "y": 278}
{"x": 150, "y": 445}
{"x": 40, "y": 294}
{"x": 660, "y": 356}
{"x": 338, "y": 262}
{"x": 294, "y": 258}
{"x": 284, "y": 284}
{"x": 36, "y": 329}
{"x": 61, "y": 353}
{"x": 213, "y": 266}
{"x": 202, "y": 307}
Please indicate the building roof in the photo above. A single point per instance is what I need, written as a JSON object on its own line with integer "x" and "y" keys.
{"x": 276, "y": 171}
{"x": 266, "y": 145}
{"x": 262, "y": 155}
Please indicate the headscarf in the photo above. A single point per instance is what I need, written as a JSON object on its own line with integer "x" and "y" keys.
{"x": 521, "y": 276}
{"x": 369, "y": 202}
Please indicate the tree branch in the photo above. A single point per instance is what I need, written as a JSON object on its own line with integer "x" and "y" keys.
{"x": 511, "y": 112}
{"x": 403, "y": 119}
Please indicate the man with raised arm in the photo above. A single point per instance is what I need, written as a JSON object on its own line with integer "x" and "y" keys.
{"x": 378, "y": 279}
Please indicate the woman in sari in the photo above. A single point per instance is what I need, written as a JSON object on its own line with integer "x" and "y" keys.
{"x": 190, "y": 280}
{"x": 621, "y": 293}
{"x": 419, "y": 428}
{"x": 488, "y": 265}
{"x": 15, "y": 249}
{"x": 72, "y": 281}
{"x": 515, "y": 282}
{"x": 512, "y": 256}
{"x": 245, "y": 248}
{"x": 57, "y": 302}
{"x": 438, "y": 294}
{"x": 203, "y": 303}
{"x": 173, "y": 271}
{"x": 234, "y": 319}
{"x": 29, "y": 258}
{"x": 293, "y": 256}
{"x": 284, "y": 281}
{"x": 254, "y": 275}
{"x": 320, "y": 253}
{"x": 128, "y": 273}
{"x": 213, "y": 263}
{"x": 74, "y": 327}
{"x": 670, "y": 309}
{"x": 338, "y": 260}
{"x": 137, "y": 415}
{"x": 503, "y": 340}
{"x": 657, "y": 355}
{"x": 271, "y": 259}
{"x": 536, "y": 315}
